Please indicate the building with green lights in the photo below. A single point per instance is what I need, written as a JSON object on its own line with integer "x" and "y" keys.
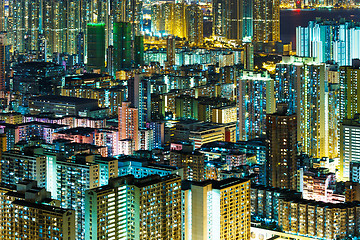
{"x": 122, "y": 45}
{"x": 139, "y": 51}
{"x": 96, "y": 46}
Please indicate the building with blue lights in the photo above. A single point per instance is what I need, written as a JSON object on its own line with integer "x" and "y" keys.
{"x": 329, "y": 40}
{"x": 255, "y": 100}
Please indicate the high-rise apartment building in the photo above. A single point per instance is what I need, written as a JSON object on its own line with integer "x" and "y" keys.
{"x": 349, "y": 82}
{"x": 349, "y": 145}
{"x": 2, "y": 62}
{"x": 314, "y": 111}
{"x": 122, "y": 45}
{"x": 28, "y": 211}
{"x": 194, "y": 24}
{"x": 310, "y": 92}
{"x": 217, "y": 209}
{"x": 318, "y": 184}
{"x": 73, "y": 178}
{"x": 139, "y": 94}
{"x": 191, "y": 161}
{"x": 129, "y": 123}
{"x": 249, "y": 57}
{"x": 178, "y": 19}
{"x": 329, "y": 40}
{"x": 62, "y": 22}
{"x": 319, "y": 220}
{"x": 26, "y": 25}
{"x": 255, "y": 100}
{"x": 138, "y": 51}
{"x": 19, "y": 165}
{"x": 162, "y": 18}
{"x": 96, "y": 46}
{"x": 281, "y": 144}
{"x": 2, "y": 18}
{"x": 333, "y": 113}
{"x": 129, "y": 208}
{"x": 287, "y": 82}
{"x": 170, "y": 50}
{"x": 233, "y": 19}
{"x": 303, "y": 218}
{"x": 186, "y": 107}
{"x": 265, "y": 202}
{"x": 80, "y": 48}
{"x": 266, "y": 15}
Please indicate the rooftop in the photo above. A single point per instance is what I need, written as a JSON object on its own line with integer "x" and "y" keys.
{"x": 85, "y": 76}
{"x": 63, "y": 99}
{"x": 216, "y": 184}
{"x": 44, "y": 207}
{"x": 37, "y": 64}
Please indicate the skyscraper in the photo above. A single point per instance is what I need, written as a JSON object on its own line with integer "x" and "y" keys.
{"x": 217, "y": 209}
{"x": 138, "y": 51}
{"x": 122, "y": 46}
{"x": 31, "y": 165}
{"x": 266, "y": 14}
{"x": 303, "y": 84}
{"x": 61, "y": 22}
{"x": 170, "y": 50}
{"x": 129, "y": 208}
{"x": 349, "y": 145}
{"x": 80, "y": 48}
{"x": 349, "y": 90}
{"x": 179, "y": 21}
{"x": 281, "y": 144}
{"x": 96, "y": 46}
{"x": 313, "y": 113}
{"x": 26, "y": 25}
{"x": 28, "y": 210}
{"x": 233, "y": 19}
{"x": 236, "y": 19}
{"x": 73, "y": 178}
{"x": 329, "y": 40}
{"x": 287, "y": 80}
{"x": 2, "y": 62}
{"x": 194, "y": 21}
{"x": 99, "y": 13}
{"x": 129, "y": 124}
{"x": 139, "y": 94}
{"x": 255, "y": 100}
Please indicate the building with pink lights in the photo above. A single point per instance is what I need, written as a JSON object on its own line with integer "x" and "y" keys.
{"x": 319, "y": 184}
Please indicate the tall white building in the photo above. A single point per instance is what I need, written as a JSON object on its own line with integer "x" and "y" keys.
{"x": 329, "y": 40}
{"x": 349, "y": 146}
{"x": 215, "y": 210}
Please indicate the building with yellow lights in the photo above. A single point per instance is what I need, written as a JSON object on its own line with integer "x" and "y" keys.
{"x": 266, "y": 20}
{"x": 311, "y": 90}
{"x": 178, "y": 19}
{"x": 226, "y": 114}
{"x": 29, "y": 212}
{"x": 216, "y": 210}
{"x": 129, "y": 208}
{"x": 319, "y": 220}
